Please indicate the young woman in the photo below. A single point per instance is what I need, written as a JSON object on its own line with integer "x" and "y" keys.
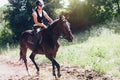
{"x": 38, "y": 15}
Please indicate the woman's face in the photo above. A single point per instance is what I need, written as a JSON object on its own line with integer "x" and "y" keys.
{"x": 39, "y": 7}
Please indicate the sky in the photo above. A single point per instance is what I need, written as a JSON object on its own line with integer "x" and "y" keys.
{"x": 3, "y": 2}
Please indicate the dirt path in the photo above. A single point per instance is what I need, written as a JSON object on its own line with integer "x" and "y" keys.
{"x": 11, "y": 69}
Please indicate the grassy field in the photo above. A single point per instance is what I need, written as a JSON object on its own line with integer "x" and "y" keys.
{"x": 100, "y": 53}
{"x": 97, "y": 49}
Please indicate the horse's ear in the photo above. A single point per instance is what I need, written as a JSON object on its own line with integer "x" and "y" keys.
{"x": 67, "y": 17}
{"x": 62, "y": 17}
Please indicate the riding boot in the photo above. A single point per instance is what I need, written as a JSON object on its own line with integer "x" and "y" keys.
{"x": 40, "y": 40}
{"x": 37, "y": 39}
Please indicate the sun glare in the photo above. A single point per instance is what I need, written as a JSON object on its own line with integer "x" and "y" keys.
{"x": 82, "y": 0}
{"x": 3, "y": 2}
{"x": 65, "y": 3}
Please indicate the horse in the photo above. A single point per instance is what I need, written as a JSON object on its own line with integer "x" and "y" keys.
{"x": 49, "y": 44}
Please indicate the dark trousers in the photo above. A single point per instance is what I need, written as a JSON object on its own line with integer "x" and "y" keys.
{"x": 37, "y": 36}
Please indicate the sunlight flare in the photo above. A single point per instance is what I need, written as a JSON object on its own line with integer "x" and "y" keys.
{"x": 65, "y": 3}
{"x": 3, "y": 2}
{"x": 82, "y": 0}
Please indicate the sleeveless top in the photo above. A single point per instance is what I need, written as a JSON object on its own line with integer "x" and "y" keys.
{"x": 40, "y": 17}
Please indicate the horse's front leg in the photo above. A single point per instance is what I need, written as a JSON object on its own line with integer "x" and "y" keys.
{"x": 54, "y": 74}
{"x": 58, "y": 67}
{"x": 55, "y": 63}
{"x": 32, "y": 56}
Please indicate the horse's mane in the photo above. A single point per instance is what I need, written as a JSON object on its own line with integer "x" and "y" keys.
{"x": 53, "y": 24}
{"x": 50, "y": 28}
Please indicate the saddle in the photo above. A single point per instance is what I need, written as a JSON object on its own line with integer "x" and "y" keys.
{"x": 37, "y": 37}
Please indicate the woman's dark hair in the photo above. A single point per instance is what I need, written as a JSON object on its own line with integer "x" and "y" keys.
{"x": 38, "y": 3}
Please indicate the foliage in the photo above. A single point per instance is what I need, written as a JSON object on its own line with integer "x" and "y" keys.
{"x": 6, "y": 36}
{"x": 19, "y": 16}
{"x": 91, "y": 12}
{"x": 51, "y": 6}
{"x": 5, "y": 33}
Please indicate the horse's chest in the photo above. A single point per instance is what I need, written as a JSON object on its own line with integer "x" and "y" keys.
{"x": 53, "y": 49}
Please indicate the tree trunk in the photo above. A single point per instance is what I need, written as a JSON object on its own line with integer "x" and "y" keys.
{"x": 118, "y": 6}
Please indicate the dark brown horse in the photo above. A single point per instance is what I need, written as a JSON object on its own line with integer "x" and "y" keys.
{"x": 49, "y": 45}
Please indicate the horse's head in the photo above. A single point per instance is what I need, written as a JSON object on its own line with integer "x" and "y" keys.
{"x": 64, "y": 28}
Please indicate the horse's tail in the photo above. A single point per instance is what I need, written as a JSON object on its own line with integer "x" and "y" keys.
{"x": 20, "y": 54}
{"x": 23, "y": 48}
{"x": 20, "y": 42}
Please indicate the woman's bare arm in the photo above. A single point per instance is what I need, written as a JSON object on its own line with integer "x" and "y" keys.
{"x": 37, "y": 23}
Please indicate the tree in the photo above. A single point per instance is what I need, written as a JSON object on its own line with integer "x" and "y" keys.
{"x": 5, "y": 32}
{"x": 116, "y": 5}
{"x": 90, "y": 12}
{"x": 19, "y": 16}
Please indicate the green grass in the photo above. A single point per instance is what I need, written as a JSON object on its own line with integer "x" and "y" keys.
{"x": 97, "y": 49}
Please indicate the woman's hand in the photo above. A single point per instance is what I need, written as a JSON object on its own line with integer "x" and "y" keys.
{"x": 45, "y": 27}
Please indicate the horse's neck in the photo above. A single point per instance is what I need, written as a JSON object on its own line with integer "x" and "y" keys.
{"x": 49, "y": 38}
{"x": 53, "y": 30}
{"x": 52, "y": 34}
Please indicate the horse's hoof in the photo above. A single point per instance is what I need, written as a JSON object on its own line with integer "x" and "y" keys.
{"x": 37, "y": 72}
{"x": 57, "y": 78}
{"x": 28, "y": 73}
{"x": 59, "y": 75}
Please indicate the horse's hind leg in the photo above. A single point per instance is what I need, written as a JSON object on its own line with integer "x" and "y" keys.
{"x": 23, "y": 56}
{"x": 32, "y": 56}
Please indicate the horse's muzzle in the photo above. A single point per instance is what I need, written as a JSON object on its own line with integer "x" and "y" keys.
{"x": 70, "y": 38}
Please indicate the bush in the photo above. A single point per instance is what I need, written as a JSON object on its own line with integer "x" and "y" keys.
{"x": 6, "y": 36}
